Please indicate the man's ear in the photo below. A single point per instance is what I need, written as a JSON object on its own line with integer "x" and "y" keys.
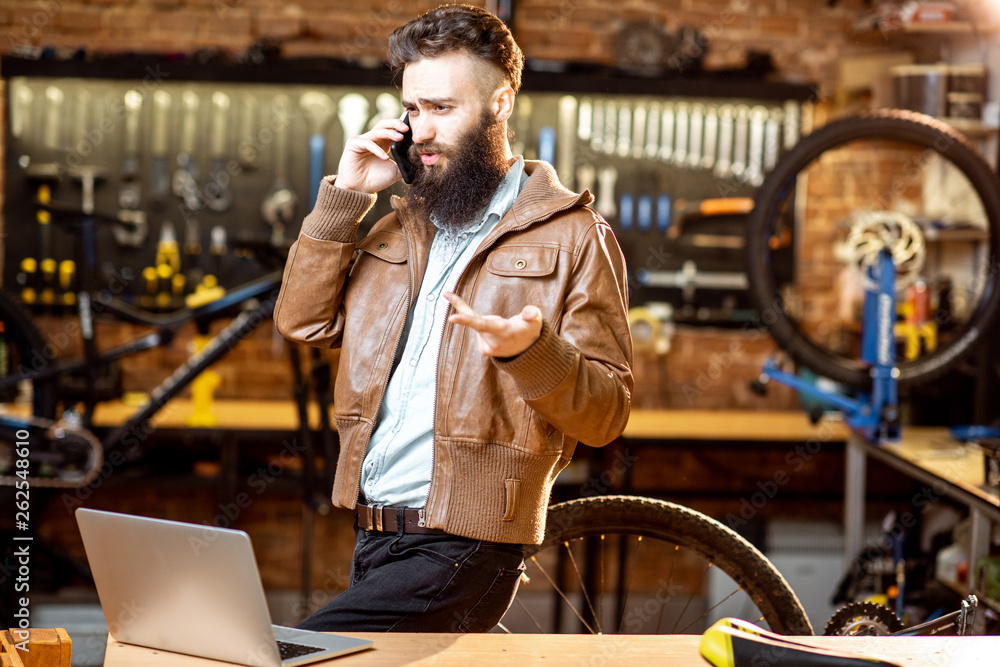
{"x": 503, "y": 103}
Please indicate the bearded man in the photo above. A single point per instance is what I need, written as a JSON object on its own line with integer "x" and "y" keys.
{"x": 483, "y": 331}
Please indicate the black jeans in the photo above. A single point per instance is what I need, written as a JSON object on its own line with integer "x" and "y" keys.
{"x": 423, "y": 583}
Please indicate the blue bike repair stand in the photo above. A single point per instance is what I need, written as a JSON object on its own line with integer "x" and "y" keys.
{"x": 875, "y": 415}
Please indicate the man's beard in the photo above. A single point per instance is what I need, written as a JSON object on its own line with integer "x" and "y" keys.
{"x": 457, "y": 194}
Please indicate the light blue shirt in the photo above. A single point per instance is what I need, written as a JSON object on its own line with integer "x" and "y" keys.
{"x": 397, "y": 467}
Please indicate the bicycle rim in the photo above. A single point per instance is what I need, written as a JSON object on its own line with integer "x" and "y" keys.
{"x": 625, "y": 564}
{"x": 855, "y": 180}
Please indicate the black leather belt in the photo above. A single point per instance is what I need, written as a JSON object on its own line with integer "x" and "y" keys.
{"x": 386, "y": 519}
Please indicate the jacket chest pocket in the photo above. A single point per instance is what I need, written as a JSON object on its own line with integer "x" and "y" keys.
{"x": 525, "y": 261}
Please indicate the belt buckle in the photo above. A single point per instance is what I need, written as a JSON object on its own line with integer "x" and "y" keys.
{"x": 378, "y": 517}
{"x": 368, "y": 517}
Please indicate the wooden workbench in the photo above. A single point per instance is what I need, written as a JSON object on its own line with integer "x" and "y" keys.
{"x": 443, "y": 650}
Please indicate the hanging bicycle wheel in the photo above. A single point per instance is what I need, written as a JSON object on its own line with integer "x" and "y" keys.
{"x": 626, "y": 564}
{"x": 894, "y": 180}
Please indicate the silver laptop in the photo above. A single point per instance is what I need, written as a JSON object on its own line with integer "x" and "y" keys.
{"x": 192, "y": 589}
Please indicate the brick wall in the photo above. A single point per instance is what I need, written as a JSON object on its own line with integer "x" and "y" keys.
{"x": 805, "y": 39}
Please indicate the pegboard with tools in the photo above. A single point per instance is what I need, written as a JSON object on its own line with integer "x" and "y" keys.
{"x": 156, "y": 175}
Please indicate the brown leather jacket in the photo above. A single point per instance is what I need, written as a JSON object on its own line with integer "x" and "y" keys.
{"x": 503, "y": 429}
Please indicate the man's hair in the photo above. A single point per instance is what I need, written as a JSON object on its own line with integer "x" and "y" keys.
{"x": 451, "y": 28}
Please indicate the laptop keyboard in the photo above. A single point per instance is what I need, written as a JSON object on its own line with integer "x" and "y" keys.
{"x": 290, "y": 650}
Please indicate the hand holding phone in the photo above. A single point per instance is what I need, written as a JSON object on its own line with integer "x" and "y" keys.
{"x": 399, "y": 150}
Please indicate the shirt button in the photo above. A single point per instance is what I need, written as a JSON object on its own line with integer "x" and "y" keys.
{"x": 413, "y": 363}
{"x": 430, "y": 297}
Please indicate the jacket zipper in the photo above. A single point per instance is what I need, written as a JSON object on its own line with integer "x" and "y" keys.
{"x": 437, "y": 373}
{"x": 395, "y": 347}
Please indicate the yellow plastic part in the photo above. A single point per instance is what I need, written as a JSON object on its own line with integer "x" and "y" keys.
{"x": 202, "y": 391}
{"x": 49, "y": 266}
{"x": 29, "y": 264}
{"x": 67, "y": 268}
{"x": 717, "y": 647}
{"x": 203, "y": 295}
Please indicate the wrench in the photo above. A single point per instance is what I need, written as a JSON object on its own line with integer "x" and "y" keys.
{"x": 711, "y": 136}
{"x": 623, "y": 148}
{"x": 742, "y": 115}
{"x": 566, "y": 139}
{"x": 724, "y": 165}
{"x": 160, "y": 182}
{"x": 185, "y": 183}
{"x": 652, "y": 145}
{"x": 606, "y": 198}
{"x": 697, "y": 131}
{"x": 218, "y": 195}
{"x": 667, "y": 132}
{"x": 681, "y": 111}
{"x": 639, "y": 129}
{"x": 754, "y": 174}
{"x": 319, "y": 109}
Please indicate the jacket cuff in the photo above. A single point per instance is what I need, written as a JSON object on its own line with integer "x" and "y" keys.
{"x": 539, "y": 369}
{"x": 337, "y": 213}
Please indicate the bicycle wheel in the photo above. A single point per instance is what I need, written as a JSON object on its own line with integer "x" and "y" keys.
{"x": 893, "y": 179}
{"x": 626, "y": 564}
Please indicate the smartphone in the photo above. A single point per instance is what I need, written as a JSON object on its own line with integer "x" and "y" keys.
{"x": 399, "y": 150}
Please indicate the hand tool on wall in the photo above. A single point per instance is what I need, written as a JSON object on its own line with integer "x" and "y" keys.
{"x": 606, "y": 177}
{"x": 218, "y": 249}
{"x": 319, "y": 110}
{"x": 610, "y": 132}
{"x": 246, "y": 149}
{"x": 159, "y": 187}
{"x": 754, "y": 174}
{"x": 689, "y": 279}
{"x": 700, "y": 208}
{"x": 644, "y": 213}
{"x": 218, "y": 194}
{"x": 667, "y": 132}
{"x": 664, "y": 213}
{"x": 623, "y": 146}
{"x": 352, "y": 112}
{"x": 626, "y": 212}
{"x": 711, "y": 136}
{"x": 652, "y": 141}
{"x": 387, "y": 106}
{"x": 772, "y": 139}
{"x": 679, "y": 154}
{"x": 21, "y": 99}
{"x": 45, "y": 176}
{"x": 741, "y": 126}
{"x": 696, "y": 134}
{"x": 278, "y": 207}
{"x": 522, "y": 128}
{"x": 185, "y": 182}
{"x": 793, "y": 125}
{"x": 132, "y": 234}
{"x": 168, "y": 252}
{"x": 585, "y": 176}
{"x": 191, "y": 261}
{"x": 585, "y": 120}
{"x": 547, "y": 144}
{"x": 639, "y": 115}
{"x": 597, "y": 129}
{"x": 566, "y": 140}
{"x": 723, "y": 165}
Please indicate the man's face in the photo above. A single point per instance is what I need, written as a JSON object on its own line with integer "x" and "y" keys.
{"x": 444, "y": 99}
{"x": 459, "y": 147}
